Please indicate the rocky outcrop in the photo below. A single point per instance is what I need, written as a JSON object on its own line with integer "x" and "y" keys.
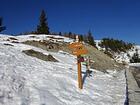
{"x": 40, "y": 55}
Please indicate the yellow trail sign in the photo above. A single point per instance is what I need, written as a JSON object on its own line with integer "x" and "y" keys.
{"x": 75, "y": 45}
{"x": 78, "y": 48}
{"x": 79, "y": 52}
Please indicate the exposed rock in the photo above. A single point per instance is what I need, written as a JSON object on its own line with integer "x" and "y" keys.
{"x": 7, "y": 44}
{"x": 40, "y": 55}
{"x": 12, "y": 38}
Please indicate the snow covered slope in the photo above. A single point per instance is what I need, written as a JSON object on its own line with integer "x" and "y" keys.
{"x": 26, "y": 80}
{"x": 123, "y": 56}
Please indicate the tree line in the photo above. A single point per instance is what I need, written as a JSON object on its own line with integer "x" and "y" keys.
{"x": 115, "y": 45}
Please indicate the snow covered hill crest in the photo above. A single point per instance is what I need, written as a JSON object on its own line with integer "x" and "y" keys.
{"x": 27, "y": 80}
{"x": 121, "y": 57}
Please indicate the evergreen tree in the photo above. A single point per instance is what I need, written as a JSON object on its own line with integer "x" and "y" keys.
{"x": 74, "y": 36}
{"x": 43, "y": 28}
{"x": 85, "y": 38}
{"x": 2, "y": 28}
{"x": 90, "y": 39}
{"x": 0, "y": 21}
{"x": 60, "y": 33}
{"x": 70, "y": 34}
{"x": 115, "y": 45}
{"x": 81, "y": 38}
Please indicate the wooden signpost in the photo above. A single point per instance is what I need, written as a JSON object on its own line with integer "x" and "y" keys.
{"x": 78, "y": 49}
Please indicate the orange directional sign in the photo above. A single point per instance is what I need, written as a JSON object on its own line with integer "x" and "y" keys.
{"x": 75, "y": 44}
{"x": 78, "y": 48}
{"x": 79, "y": 51}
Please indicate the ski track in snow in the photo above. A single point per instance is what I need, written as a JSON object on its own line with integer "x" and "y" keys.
{"x": 26, "y": 80}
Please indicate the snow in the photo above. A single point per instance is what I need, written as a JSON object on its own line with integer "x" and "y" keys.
{"x": 26, "y": 80}
{"x": 53, "y": 38}
{"x": 97, "y": 45}
{"x": 135, "y": 64}
{"x": 122, "y": 56}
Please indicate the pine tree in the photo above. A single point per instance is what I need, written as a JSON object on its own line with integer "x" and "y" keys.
{"x": 60, "y": 33}
{"x": 90, "y": 39}
{"x": 85, "y": 38}
{"x": 2, "y": 28}
{"x": 0, "y": 21}
{"x": 70, "y": 34}
{"x": 115, "y": 45}
{"x": 81, "y": 38}
{"x": 43, "y": 28}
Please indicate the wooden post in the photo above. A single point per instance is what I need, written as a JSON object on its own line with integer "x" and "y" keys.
{"x": 79, "y": 73}
{"x": 78, "y": 49}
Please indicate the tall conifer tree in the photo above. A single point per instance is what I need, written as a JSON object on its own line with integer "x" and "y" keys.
{"x": 90, "y": 39}
{"x": 43, "y": 28}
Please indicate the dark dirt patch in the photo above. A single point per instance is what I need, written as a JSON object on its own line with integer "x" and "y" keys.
{"x": 40, "y": 55}
{"x": 12, "y": 38}
{"x": 7, "y": 44}
{"x": 137, "y": 91}
{"x": 15, "y": 42}
{"x": 32, "y": 36}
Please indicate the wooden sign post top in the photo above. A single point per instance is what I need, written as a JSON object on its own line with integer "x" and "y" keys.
{"x": 78, "y": 48}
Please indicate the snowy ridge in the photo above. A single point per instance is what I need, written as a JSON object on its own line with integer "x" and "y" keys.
{"x": 123, "y": 56}
{"x": 26, "y": 80}
{"x": 135, "y": 64}
{"x": 44, "y": 37}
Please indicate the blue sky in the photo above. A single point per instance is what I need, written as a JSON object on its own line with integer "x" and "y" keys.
{"x": 105, "y": 18}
